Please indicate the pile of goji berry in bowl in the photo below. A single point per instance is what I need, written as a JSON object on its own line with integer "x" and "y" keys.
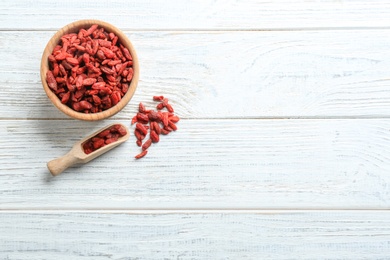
{"x": 89, "y": 70}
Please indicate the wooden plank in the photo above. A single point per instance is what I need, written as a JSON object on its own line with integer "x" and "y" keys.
{"x": 188, "y": 15}
{"x": 274, "y": 74}
{"x": 217, "y": 164}
{"x": 189, "y": 235}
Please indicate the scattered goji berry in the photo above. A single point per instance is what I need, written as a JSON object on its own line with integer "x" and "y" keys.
{"x": 142, "y": 154}
{"x": 159, "y": 123}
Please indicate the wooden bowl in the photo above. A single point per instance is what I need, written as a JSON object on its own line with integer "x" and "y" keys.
{"x": 74, "y": 28}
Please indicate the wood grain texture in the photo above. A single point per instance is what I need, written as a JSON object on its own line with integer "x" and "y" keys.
{"x": 275, "y": 74}
{"x": 256, "y": 164}
{"x": 258, "y": 235}
{"x": 190, "y": 15}
{"x": 285, "y": 106}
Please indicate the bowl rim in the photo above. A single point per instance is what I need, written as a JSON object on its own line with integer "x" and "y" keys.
{"x": 74, "y": 27}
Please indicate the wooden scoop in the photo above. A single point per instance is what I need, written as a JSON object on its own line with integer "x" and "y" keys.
{"x": 77, "y": 155}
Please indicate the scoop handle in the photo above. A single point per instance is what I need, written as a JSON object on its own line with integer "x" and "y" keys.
{"x": 60, "y": 164}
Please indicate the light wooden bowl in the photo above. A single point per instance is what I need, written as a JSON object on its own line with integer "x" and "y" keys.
{"x": 75, "y": 27}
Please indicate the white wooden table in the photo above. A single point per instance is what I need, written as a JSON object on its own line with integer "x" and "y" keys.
{"x": 283, "y": 150}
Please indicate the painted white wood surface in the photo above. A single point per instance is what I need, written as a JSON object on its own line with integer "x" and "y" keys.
{"x": 229, "y": 74}
{"x": 197, "y": 15}
{"x": 260, "y": 164}
{"x": 282, "y": 153}
{"x": 224, "y": 235}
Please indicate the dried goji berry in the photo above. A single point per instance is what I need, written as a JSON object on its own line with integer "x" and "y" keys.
{"x": 154, "y": 118}
{"x": 72, "y": 61}
{"x": 169, "y": 108}
{"x": 51, "y": 81}
{"x": 165, "y": 119}
{"x": 103, "y": 138}
{"x": 142, "y": 128}
{"x": 134, "y": 119}
{"x": 154, "y": 136}
{"x": 104, "y": 133}
{"x": 164, "y": 132}
{"x": 160, "y": 106}
{"x": 82, "y": 60}
{"x": 139, "y": 135}
{"x": 174, "y": 119}
{"x": 65, "y": 98}
{"x": 98, "y": 143}
{"x": 172, "y": 125}
{"x": 89, "y": 81}
{"x": 158, "y": 98}
{"x": 142, "y": 118}
{"x": 141, "y": 108}
{"x": 142, "y": 154}
{"x": 147, "y": 144}
{"x": 156, "y": 127}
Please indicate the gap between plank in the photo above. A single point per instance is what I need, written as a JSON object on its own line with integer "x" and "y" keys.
{"x": 184, "y": 30}
{"x": 224, "y": 118}
{"x": 189, "y": 210}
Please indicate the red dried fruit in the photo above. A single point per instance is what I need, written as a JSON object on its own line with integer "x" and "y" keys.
{"x": 99, "y": 85}
{"x": 114, "y": 62}
{"x": 139, "y": 135}
{"x": 160, "y": 106}
{"x": 89, "y": 81}
{"x": 60, "y": 56}
{"x": 168, "y": 128}
{"x": 169, "y": 108}
{"x": 104, "y": 133}
{"x": 165, "y": 119}
{"x": 115, "y": 97}
{"x": 156, "y": 127}
{"x": 110, "y": 140}
{"x": 154, "y": 118}
{"x": 72, "y": 61}
{"x": 142, "y": 128}
{"x": 96, "y": 100}
{"x": 91, "y": 30}
{"x": 56, "y": 69}
{"x": 89, "y": 60}
{"x": 51, "y": 81}
{"x": 121, "y": 130}
{"x": 107, "y": 70}
{"x": 158, "y": 98}
{"x": 100, "y": 55}
{"x": 134, "y": 119}
{"x": 126, "y": 53}
{"x": 65, "y": 98}
{"x": 147, "y": 144}
{"x": 164, "y": 132}
{"x": 154, "y": 136}
{"x": 103, "y": 138}
{"x": 98, "y": 143}
{"x": 108, "y": 53}
{"x": 142, "y": 118}
{"x": 130, "y": 75}
{"x": 142, "y": 154}
{"x": 174, "y": 119}
{"x": 172, "y": 125}
{"x": 141, "y": 108}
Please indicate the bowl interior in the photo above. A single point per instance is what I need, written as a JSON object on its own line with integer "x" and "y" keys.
{"x": 74, "y": 28}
